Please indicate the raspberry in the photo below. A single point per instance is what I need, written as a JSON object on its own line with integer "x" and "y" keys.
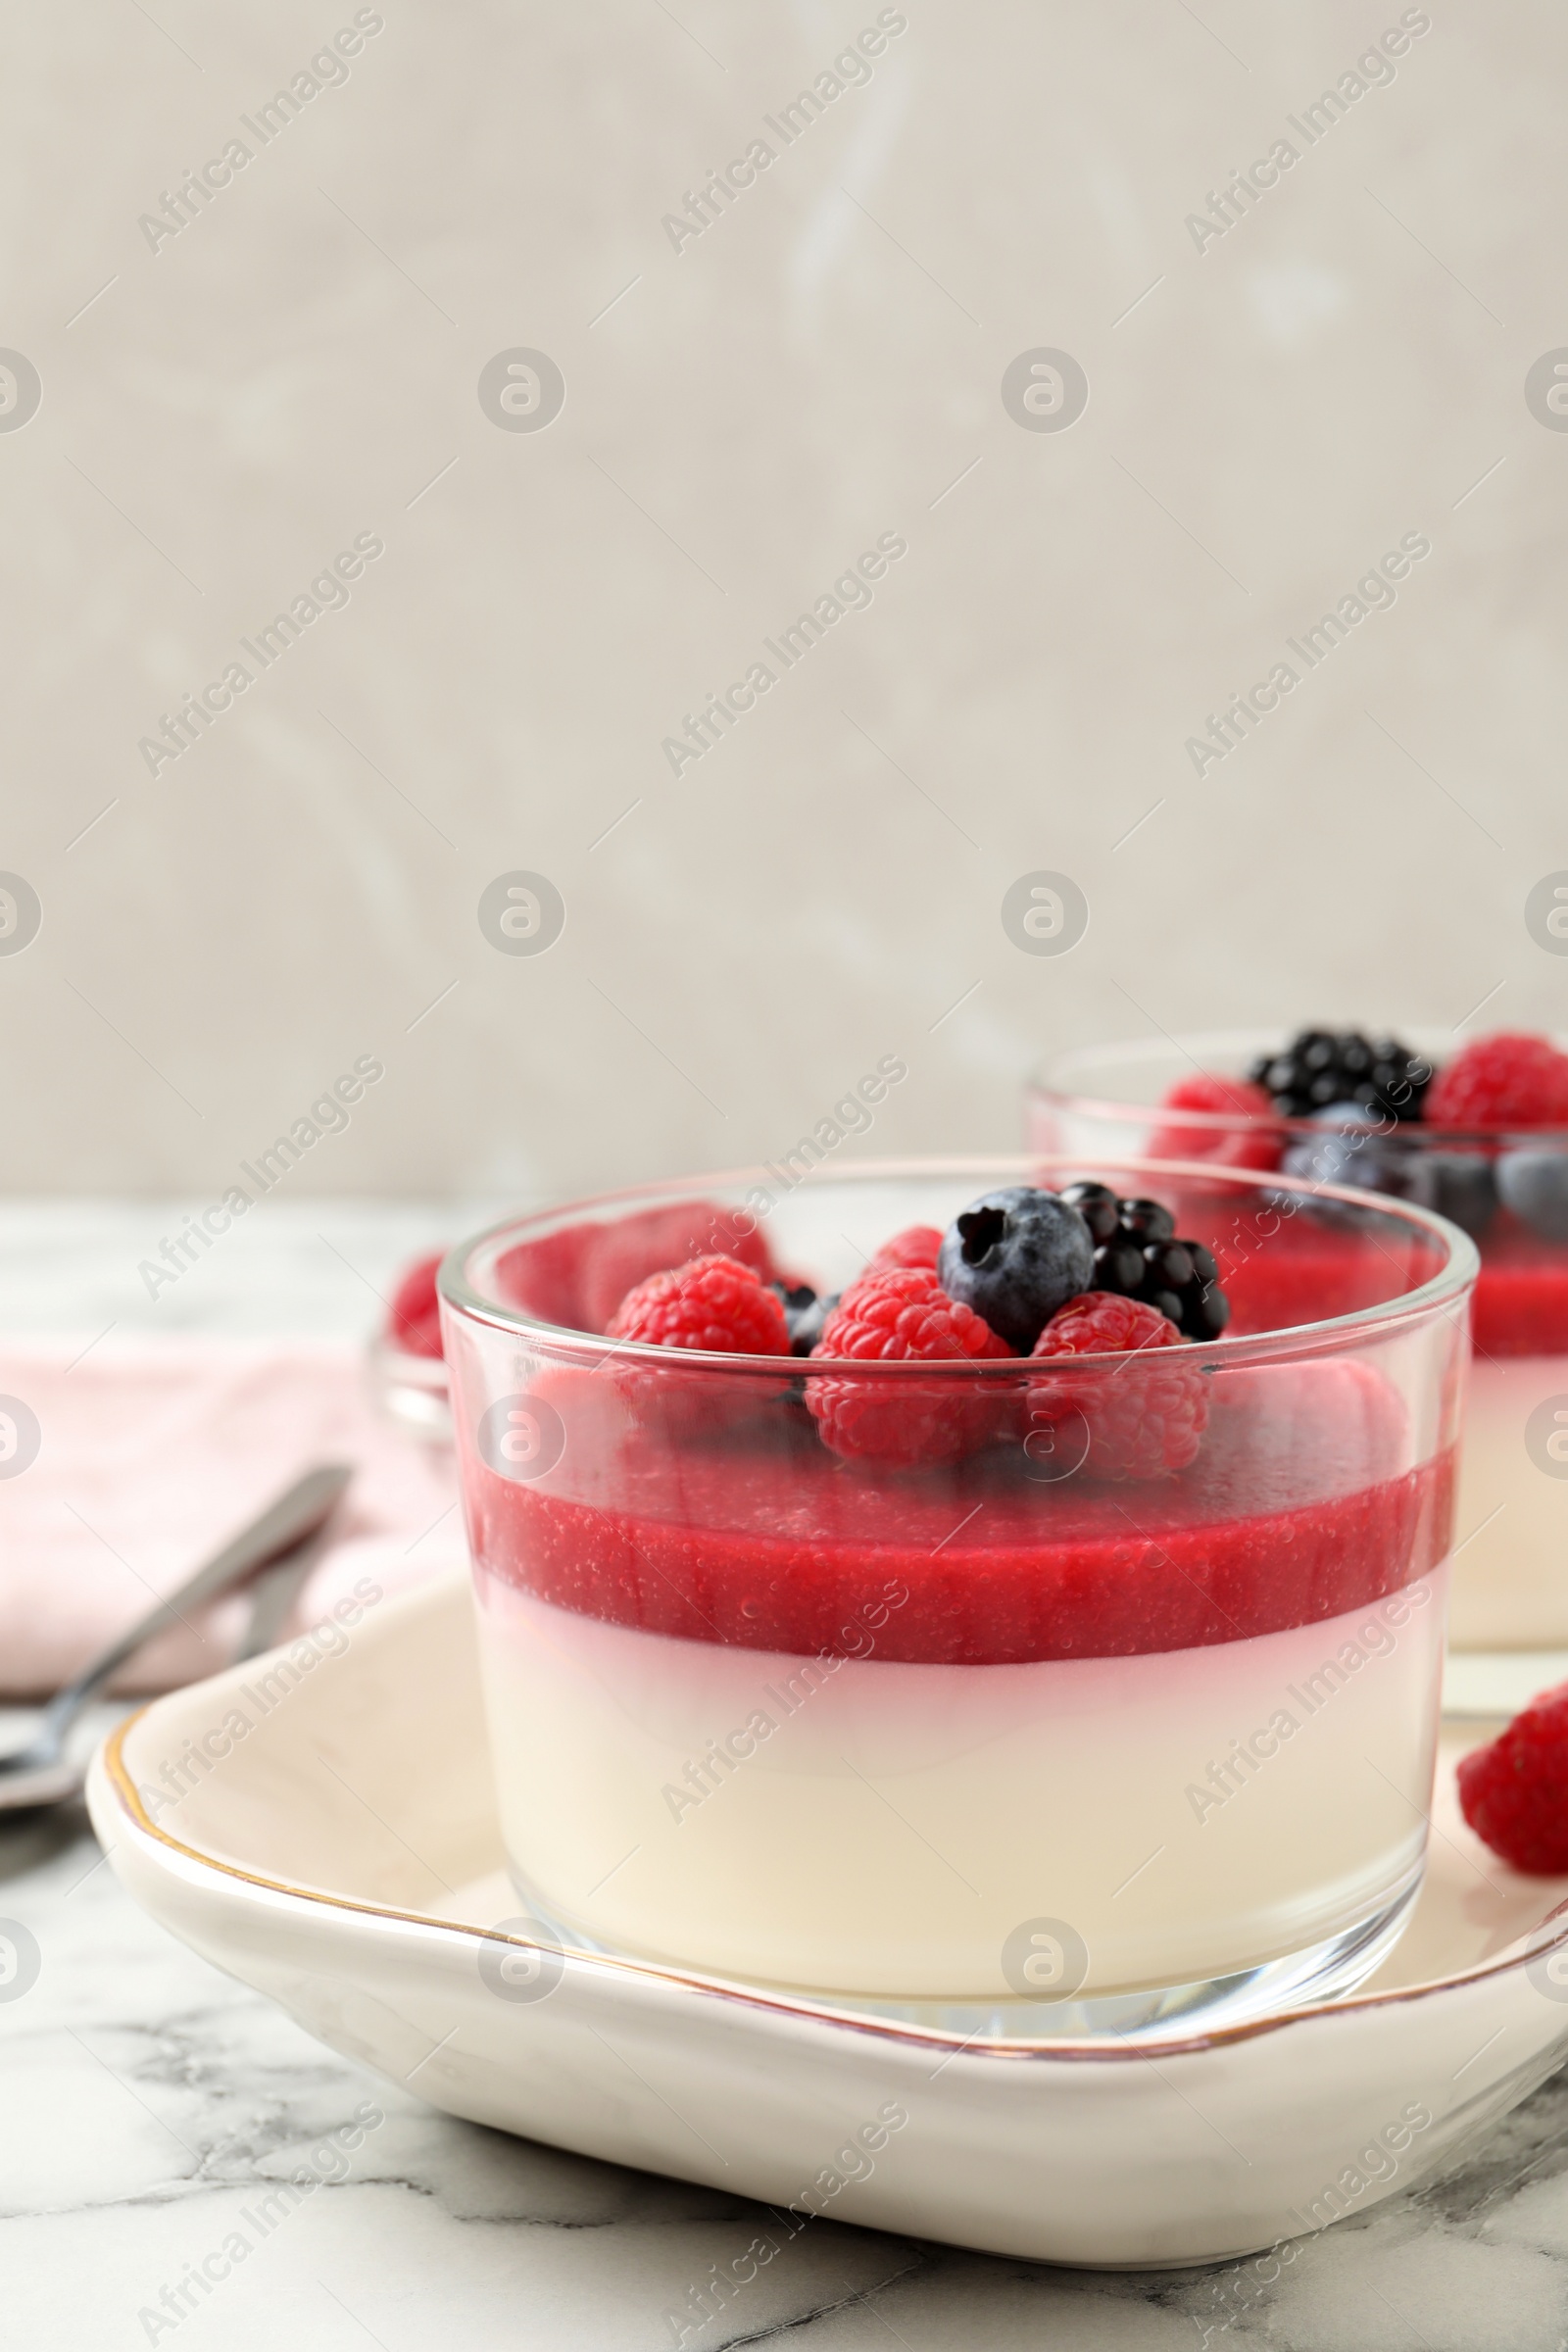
{"x": 1507, "y": 1080}
{"x": 711, "y": 1303}
{"x": 414, "y": 1322}
{"x": 1514, "y": 1791}
{"x": 1137, "y": 1421}
{"x": 1204, "y": 1093}
{"x": 618, "y": 1256}
{"x": 890, "y": 1315}
{"x": 915, "y": 1246}
{"x": 715, "y": 1304}
{"x": 578, "y": 1275}
{"x": 1253, "y": 1142}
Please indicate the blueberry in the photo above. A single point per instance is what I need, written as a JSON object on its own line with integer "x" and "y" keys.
{"x": 1014, "y": 1256}
{"x": 1350, "y": 1112}
{"x": 1343, "y": 1154}
{"x": 1534, "y": 1186}
{"x": 1459, "y": 1185}
{"x": 805, "y": 1313}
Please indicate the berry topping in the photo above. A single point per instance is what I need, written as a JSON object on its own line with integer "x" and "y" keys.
{"x": 1534, "y": 1186}
{"x": 414, "y": 1322}
{"x": 1014, "y": 1256}
{"x": 915, "y": 1246}
{"x": 1456, "y": 1184}
{"x": 711, "y": 1303}
{"x": 1136, "y": 1420}
{"x": 894, "y": 1314}
{"x": 1233, "y": 1095}
{"x": 1514, "y": 1791}
{"x": 1138, "y": 1254}
{"x": 1324, "y": 1067}
{"x": 1251, "y": 1141}
{"x": 578, "y": 1275}
{"x": 805, "y": 1313}
{"x": 1357, "y": 1148}
{"x": 1099, "y": 1208}
{"x": 1147, "y": 1220}
{"x": 1506, "y": 1080}
{"x": 1344, "y": 1153}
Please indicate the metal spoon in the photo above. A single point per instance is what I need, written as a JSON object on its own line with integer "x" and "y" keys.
{"x": 40, "y": 1773}
{"x": 273, "y": 1592}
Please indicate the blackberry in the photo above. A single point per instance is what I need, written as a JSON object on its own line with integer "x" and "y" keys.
{"x": 1138, "y": 1254}
{"x": 1147, "y": 1220}
{"x": 1320, "y": 1067}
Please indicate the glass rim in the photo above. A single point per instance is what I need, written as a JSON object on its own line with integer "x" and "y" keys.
{"x": 1048, "y": 1085}
{"x": 1451, "y": 1284}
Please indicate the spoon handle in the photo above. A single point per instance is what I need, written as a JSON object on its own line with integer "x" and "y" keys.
{"x": 296, "y": 1515}
{"x": 273, "y": 1592}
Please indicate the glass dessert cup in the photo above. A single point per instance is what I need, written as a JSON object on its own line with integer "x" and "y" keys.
{"x": 1510, "y": 1575}
{"x": 412, "y": 1390}
{"x": 988, "y": 1741}
{"x": 407, "y": 1375}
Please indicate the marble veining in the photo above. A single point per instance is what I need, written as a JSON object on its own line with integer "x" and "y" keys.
{"x": 153, "y": 2106}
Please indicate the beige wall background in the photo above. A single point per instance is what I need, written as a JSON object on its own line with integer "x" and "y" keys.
{"x": 226, "y": 409}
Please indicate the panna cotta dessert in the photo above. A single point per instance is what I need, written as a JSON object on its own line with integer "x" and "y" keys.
{"x": 1478, "y": 1131}
{"x": 918, "y": 1593}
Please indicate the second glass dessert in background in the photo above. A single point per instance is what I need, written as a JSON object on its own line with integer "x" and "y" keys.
{"x": 1477, "y": 1130}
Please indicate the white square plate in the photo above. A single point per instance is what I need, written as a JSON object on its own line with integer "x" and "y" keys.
{"x": 342, "y": 1857}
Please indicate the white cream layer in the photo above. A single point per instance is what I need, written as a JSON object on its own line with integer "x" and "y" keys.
{"x": 881, "y": 1830}
{"x": 1510, "y": 1568}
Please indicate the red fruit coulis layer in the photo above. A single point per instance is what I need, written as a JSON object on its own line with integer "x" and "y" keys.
{"x": 1297, "y": 1509}
{"x": 1521, "y": 1301}
{"x": 1521, "y": 1297}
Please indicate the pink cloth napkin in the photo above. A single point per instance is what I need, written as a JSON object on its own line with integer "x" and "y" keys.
{"x": 152, "y": 1454}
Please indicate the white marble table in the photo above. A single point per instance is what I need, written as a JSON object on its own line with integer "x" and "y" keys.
{"x": 146, "y": 2101}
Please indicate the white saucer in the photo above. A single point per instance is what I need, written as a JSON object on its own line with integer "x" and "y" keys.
{"x": 343, "y": 1857}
